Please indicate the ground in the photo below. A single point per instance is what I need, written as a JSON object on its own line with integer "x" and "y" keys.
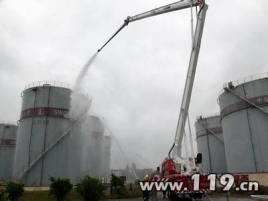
{"x": 211, "y": 198}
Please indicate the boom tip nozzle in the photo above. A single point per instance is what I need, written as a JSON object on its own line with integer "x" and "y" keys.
{"x": 99, "y": 50}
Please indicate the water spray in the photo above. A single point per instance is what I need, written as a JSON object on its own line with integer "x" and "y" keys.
{"x": 84, "y": 71}
{"x": 120, "y": 148}
{"x": 80, "y": 103}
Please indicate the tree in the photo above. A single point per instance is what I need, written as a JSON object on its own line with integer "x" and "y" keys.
{"x": 2, "y": 191}
{"x": 14, "y": 190}
{"x": 90, "y": 188}
{"x": 117, "y": 182}
{"x": 60, "y": 187}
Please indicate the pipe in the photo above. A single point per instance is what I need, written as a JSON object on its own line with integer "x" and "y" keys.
{"x": 126, "y": 21}
{"x": 169, "y": 153}
{"x": 45, "y": 136}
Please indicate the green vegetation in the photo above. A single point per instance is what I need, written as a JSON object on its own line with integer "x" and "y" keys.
{"x": 84, "y": 192}
{"x": 118, "y": 184}
{"x": 135, "y": 192}
{"x": 90, "y": 189}
{"x": 45, "y": 196}
{"x": 60, "y": 188}
{"x": 74, "y": 196}
{"x": 14, "y": 190}
{"x": 263, "y": 190}
{"x": 2, "y": 191}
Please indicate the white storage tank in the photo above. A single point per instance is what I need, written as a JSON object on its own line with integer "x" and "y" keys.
{"x": 210, "y": 143}
{"x": 86, "y": 155}
{"x": 244, "y": 108}
{"x": 44, "y": 118}
{"x": 94, "y": 146}
{"x": 8, "y": 137}
{"x": 106, "y": 157}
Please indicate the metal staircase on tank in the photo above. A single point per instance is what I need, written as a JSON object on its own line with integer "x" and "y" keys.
{"x": 229, "y": 87}
{"x": 249, "y": 102}
{"x": 42, "y": 152}
{"x": 210, "y": 131}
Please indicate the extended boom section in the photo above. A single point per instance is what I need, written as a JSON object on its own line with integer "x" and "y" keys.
{"x": 165, "y": 9}
{"x": 161, "y": 10}
{"x": 189, "y": 80}
{"x": 193, "y": 59}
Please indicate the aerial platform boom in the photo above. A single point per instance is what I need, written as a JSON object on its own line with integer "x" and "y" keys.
{"x": 161, "y": 10}
{"x": 193, "y": 58}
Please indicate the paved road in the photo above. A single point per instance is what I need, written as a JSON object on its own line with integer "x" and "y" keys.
{"x": 212, "y": 198}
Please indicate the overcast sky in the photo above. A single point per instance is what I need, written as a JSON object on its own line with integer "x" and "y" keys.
{"x": 137, "y": 81}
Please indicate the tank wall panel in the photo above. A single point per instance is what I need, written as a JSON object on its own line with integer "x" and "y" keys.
{"x": 203, "y": 149}
{"x": 259, "y": 120}
{"x": 43, "y": 121}
{"x": 211, "y": 146}
{"x": 106, "y": 157}
{"x": 238, "y": 145}
{"x": 245, "y": 127}
{"x": 6, "y": 160}
{"x": 87, "y": 138}
{"x": 94, "y": 148}
{"x": 22, "y": 148}
{"x": 76, "y": 156}
{"x": 58, "y": 156}
{"x": 59, "y": 97}
{"x": 218, "y": 157}
{"x": 28, "y": 99}
{"x": 56, "y": 99}
{"x": 8, "y": 137}
{"x": 249, "y": 133}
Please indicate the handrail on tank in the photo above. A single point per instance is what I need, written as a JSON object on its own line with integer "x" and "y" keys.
{"x": 244, "y": 80}
{"x": 51, "y": 83}
{"x": 208, "y": 116}
{"x": 6, "y": 122}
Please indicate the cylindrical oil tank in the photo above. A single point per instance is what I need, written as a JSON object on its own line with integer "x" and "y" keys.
{"x": 106, "y": 158}
{"x": 44, "y": 119}
{"x": 8, "y": 137}
{"x": 210, "y": 143}
{"x": 244, "y": 113}
{"x": 86, "y": 155}
{"x": 94, "y": 146}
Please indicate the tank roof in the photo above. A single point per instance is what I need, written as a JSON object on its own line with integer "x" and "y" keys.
{"x": 243, "y": 80}
{"x": 217, "y": 114}
{"x": 51, "y": 83}
{"x": 8, "y": 123}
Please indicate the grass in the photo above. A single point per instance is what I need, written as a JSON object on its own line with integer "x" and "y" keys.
{"x": 263, "y": 190}
{"x": 44, "y": 196}
{"x": 73, "y": 196}
{"x": 136, "y": 192}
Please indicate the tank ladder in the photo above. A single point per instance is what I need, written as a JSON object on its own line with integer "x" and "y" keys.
{"x": 50, "y": 145}
{"x": 254, "y": 105}
{"x": 210, "y": 130}
{"x": 44, "y": 151}
{"x": 37, "y": 158}
{"x": 249, "y": 102}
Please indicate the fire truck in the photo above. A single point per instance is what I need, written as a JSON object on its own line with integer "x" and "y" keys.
{"x": 174, "y": 168}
